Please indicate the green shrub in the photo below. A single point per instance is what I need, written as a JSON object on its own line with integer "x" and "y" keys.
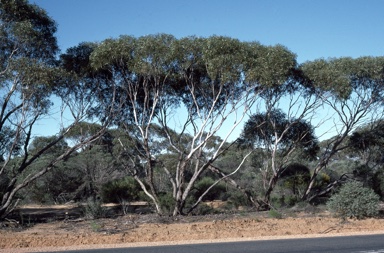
{"x": 119, "y": 190}
{"x": 277, "y": 201}
{"x": 291, "y": 200}
{"x": 204, "y": 209}
{"x": 93, "y": 209}
{"x": 214, "y": 194}
{"x": 378, "y": 182}
{"x": 354, "y": 201}
{"x": 237, "y": 199}
{"x": 167, "y": 202}
{"x": 275, "y": 214}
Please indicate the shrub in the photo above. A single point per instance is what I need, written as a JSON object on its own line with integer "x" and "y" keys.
{"x": 237, "y": 199}
{"x": 275, "y": 214}
{"x": 204, "y": 209}
{"x": 116, "y": 191}
{"x": 354, "y": 201}
{"x": 94, "y": 209}
{"x": 291, "y": 200}
{"x": 378, "y": 182}
{"x": 214, "y": 194}
{"x": 295, "y": 177}
{"x": 167, "y": 202}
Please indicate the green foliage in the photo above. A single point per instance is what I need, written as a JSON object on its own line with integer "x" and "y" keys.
{"x": 341, "y": 165}
{"x": 56, "y": 186}
{"x": 214, "y": 194}
{"x": 364, "y": 174}
{"x": 260, "y": 60}
{"x": 368, "y": 142}
{"x": 93, "y": 209}
{"x": 125, "y": 189}
{"x": 168, "y": 65}
{"x": 237, "y": 199}
{"x": 291, "y": 200}
{"x": 342, "y": 75}
{"x": 223, "y": 56}
{"x": 204, "y": 209}
{"x": 48, "y": 143}
{"x": 378, "y": 182}
{"x": 354, "y": 201}
{"x": 28, "y": 28}
{"x": 96, "y": 227}
{"x": 4, "y": 181}
{"x": 275, "y": 214}
{"x": 324, "y": 178}
{"x": 6, "y": 142}
{"x": 261, "y": 130}
{"x": 329, "y": 75}
{"x": 167, "y": 202}
{"x": 295, "y": 177}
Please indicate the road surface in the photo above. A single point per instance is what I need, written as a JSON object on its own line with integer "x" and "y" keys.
{"x": 345, "y": 244}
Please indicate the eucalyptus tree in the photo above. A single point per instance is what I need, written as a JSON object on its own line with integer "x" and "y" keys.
{"x": 284, "y": 141}
{"x": 188, "y": 88}
{"x": 352, "y": 91}
{"x": 280, "y": 125}
{"x": 29, "y": 78}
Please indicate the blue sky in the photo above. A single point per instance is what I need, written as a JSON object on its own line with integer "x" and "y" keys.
{"x": 311, "y": 29}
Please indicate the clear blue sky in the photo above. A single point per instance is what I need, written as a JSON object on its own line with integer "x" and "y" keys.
{"x": 311, "y": 29}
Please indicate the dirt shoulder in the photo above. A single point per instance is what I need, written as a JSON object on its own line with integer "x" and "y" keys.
{"x": 144, "y": 230}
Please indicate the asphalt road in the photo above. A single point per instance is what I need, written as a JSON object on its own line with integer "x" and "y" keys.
{"x": 345, "y": 244}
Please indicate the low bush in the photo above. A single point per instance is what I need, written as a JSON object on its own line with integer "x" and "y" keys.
{"x": 237, "y": 199}
{"x": 204, "y": 209}
{"x": 275, "y": 214}
{"x": 116, "y": 191}
{"x": 215, "y": 193}
{"x": 167, "y": 202}
{"x": 93, "y": 209}
{"x": 354, "y": 201}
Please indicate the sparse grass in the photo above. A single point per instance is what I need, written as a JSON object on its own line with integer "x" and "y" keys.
{"x": 275, "y": 214}
{"x": 95, "y": 226}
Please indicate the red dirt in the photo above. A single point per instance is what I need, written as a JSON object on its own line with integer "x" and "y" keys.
{"x": 149, "y": 229}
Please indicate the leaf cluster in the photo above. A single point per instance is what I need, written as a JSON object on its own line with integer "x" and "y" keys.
{"x": 342, "y": 76}
{"x": 27, "y": 28}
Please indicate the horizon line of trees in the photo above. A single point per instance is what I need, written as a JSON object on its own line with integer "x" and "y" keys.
{"x": 125, "y": 97}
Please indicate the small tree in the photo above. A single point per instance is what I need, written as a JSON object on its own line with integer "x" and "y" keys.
{"x": 354, "y": 201}
{"x": 282, "y": 139}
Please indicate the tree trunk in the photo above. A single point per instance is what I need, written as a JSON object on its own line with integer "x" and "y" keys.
{"x": 271, "y": 186}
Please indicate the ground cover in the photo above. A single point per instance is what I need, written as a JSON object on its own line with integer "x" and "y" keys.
{"x": 65, "y": 229}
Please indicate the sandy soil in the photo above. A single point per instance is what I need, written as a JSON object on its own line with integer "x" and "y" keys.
{"x": 144, "y": 230}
